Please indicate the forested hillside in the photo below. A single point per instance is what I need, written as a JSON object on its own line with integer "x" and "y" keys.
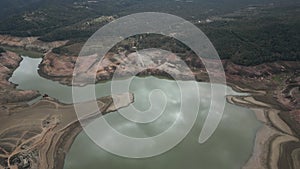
{"x": 247, "y": 32}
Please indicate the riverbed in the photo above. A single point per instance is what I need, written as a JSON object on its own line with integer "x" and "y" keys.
{"x": 229, "y": 147}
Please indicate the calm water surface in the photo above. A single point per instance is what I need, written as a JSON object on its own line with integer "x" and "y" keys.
{"x": 229, "y": 148}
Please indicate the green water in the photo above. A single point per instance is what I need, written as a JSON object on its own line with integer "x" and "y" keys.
{"x": 229, "y": 147}
{"x": 27, "y": 78}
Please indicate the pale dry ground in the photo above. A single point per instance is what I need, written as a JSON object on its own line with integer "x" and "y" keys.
{"x": 270, "y": 136}
{"x": 40, "y": 135}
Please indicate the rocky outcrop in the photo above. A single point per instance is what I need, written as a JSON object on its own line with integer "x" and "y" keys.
{"x": 57, "y": 68}
{"x": 61, "y": 68}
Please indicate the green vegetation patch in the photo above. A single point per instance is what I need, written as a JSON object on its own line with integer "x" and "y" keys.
{"x": 257, "y": 36}
{"x": 1, "y": 50}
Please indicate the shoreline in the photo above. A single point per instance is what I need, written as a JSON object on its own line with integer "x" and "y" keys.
{"x": 46, "y": 131}
{"x": 270, "y": 136}
{"x": 261, "y": 151}
{"x": 9, "y": 93}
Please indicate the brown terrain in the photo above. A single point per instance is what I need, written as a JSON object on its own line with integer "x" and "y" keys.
{"x": 38, "y": 136}
{"x": 9, "y": 61}
{"x": 274, "y": 90}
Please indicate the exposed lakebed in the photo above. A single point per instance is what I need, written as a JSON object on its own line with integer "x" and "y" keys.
{"x": 229, "y": 147}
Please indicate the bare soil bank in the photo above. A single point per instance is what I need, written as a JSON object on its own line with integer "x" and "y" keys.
{"x": 9, "y": 61}
{"x": 274, "y": 89}
{"x": 40, "y": 135}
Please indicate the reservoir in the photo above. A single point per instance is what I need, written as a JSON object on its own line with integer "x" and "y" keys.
{"x": 229, "y": 147}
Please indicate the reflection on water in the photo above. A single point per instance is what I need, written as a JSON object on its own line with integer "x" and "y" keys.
{"x": 229, "y": 147}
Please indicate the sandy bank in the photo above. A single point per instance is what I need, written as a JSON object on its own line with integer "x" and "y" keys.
{"x": 270, "y": 137}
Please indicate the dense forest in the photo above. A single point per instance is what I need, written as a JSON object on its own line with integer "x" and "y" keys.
{"x": 248, "y": 32}
{"x": 271, "y": 34}
{"x": 250, "y": 38}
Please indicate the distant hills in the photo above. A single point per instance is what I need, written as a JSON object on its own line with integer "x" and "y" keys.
{"x": 246, "y": 31}
{"x": 13, "y": 7}
{"x": 38, "y": 17}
